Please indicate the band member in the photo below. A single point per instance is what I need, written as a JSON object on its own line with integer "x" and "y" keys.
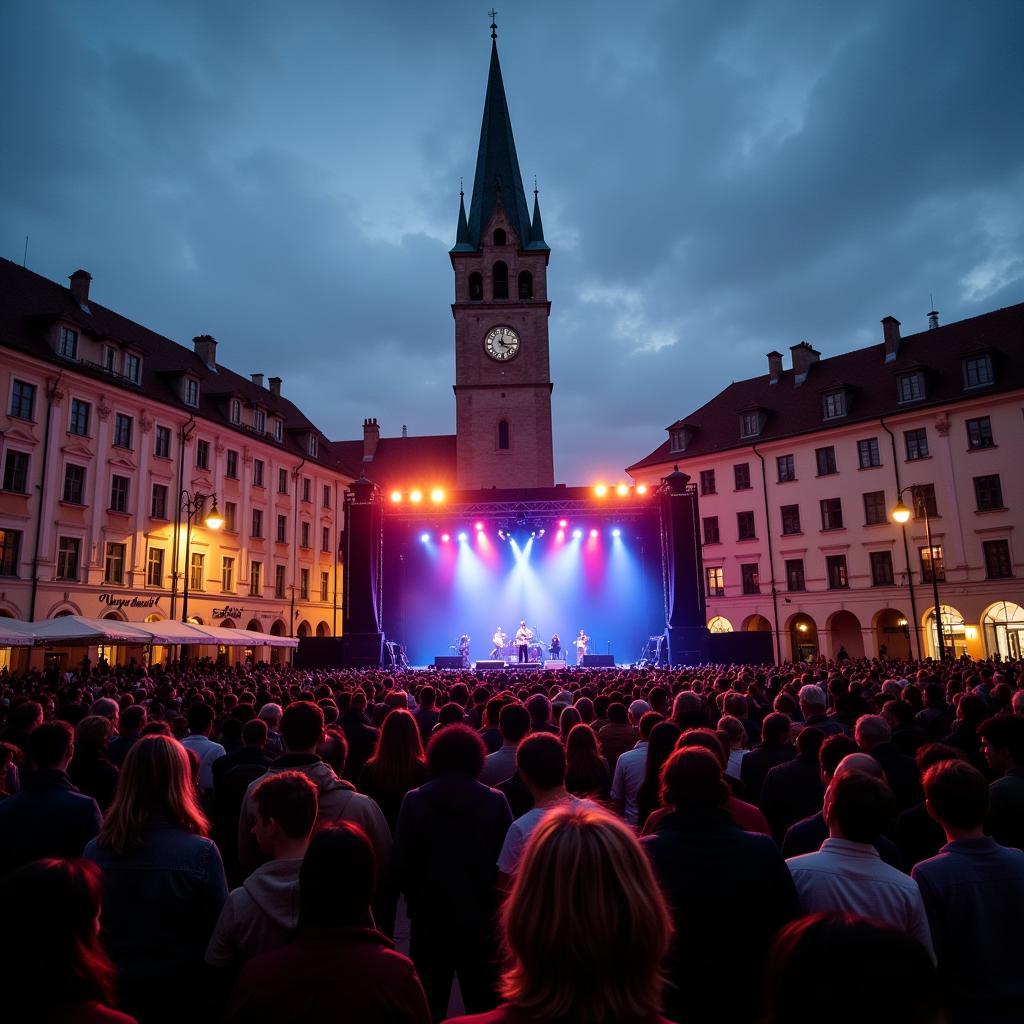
{"x": 464, "y": 649}
{"x": 499, "y": 640}
{"x": 523, "y": 638}
{"x": 581, "y": 642}
{"x": 555, "y": 647}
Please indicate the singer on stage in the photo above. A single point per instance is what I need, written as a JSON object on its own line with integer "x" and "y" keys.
{"x": 582, "y": 642}
{"x": 523, "y": 638}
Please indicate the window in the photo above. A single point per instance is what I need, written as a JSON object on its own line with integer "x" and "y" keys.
{"x": 122, "y": 431}
{"x": 325, "y": 586}
{"x": 162, "y": 448}
{"x": 503, "y": 436}
{"x": 875, "y": 511}
{"x": 257, "y": 472}
{"x": 119, "y": 493}
{"x": 867, "y": 453}
{"x": 750, "y": 424}
{"x": 500, "y": 280}
{"x": 158, "y": 509}
{"x": 831, "y": 514}
{"x": 74, "y": 484}
{"x": 155, "y": 567}
{"x": 196, "y": 580}
{"x": 282, "y": 481}
{"x": 977, "y": 371}
{"x": 16, "y": 472}
{"x": 715, "y": 579}
{"x": 741, "y": 475}
{"x": 303, "y": 584}
{"x": 327, "y": 496}
{"x": 795, "y": 574}
{"x": 325, "y": 539}
{"x": 259, "y": 421}
{"x": 678, "y": 438}
{"x": 68, "y": 343}
{"x": 79, "y": 422}
{"x": 707, "y": 481}
{"x": 282, "y": 529}
{"x": 745, "y": 525}
{"x": 235, "y": 411}
{"x": 499, "y": 236}
{"x": 113, "y": 564}
{"x": 909, "y": 387}
{"x": 881, "y": 569}
{"x": 202, "y": 454}
{"x": 255, "y": 579}
{"x": 278, "y": 430}
{"x": 833, "y": 405}
{"x": 312, "y": 446}
{"x": 109, "y": 359}
{"x": 69, "y": 551}
{"x": 132, "y": 367}
{"x": 786, "y": 465}
{"x": 227, "y": 574}
{"x": 10, "y": 544}
{"x": 929, "y": 558}
{"x": 916, "y": 442}
{"x": 23, "y": 400}
{"x": 751, "y": 578}
{"x": 835, "y": 566}
{"x": 476, "y": 287}
{"x": 826, "y": 460}
{"x": 790, "y": 519}
{"x": 924, "y": 501}
{"x": 191, "y": 391}
{"x": 231, "y": 469}
{"x": 230, "y": 517}
{"x": 307, "y": 489}
{"x": 979, "y": 433}
{"x": 997, "y": 559}
{"x": 525, "y": 284}
{"x": 711, "y": 535}
{"x": 304, "y": 535}
{"x": 278, "y": 581}
{"x": 988, "y": 492}
{"x": 257, "y": 523}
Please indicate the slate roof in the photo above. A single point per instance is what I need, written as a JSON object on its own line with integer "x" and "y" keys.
{"x": 794, "y": 409}
{"x": 406, "y": 462}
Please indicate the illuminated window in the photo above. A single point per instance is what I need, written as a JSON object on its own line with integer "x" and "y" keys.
{"x": 715, "y": 579}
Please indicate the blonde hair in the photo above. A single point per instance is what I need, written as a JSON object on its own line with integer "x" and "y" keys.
{"x": 586, "y": 927}
{"x": 156, "y": 778}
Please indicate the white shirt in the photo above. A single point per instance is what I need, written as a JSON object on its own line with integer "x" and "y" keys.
{"x": 630, "y": 771}
{"x": 500, "y": 765}
{"x": 521, "y": 829}
{"x": 208, "y": 752}
{"x": 851, "y": 877}
{"x": 735, "y": 759}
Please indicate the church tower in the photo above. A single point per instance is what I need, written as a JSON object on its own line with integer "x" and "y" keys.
{"x": 502, "y": 373}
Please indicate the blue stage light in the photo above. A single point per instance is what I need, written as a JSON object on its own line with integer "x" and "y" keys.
{"x": 462, "y": 536}
{"x": 616, "y": 532}
{"x": 425, "y": 538}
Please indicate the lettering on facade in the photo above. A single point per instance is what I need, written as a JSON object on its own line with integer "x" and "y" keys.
{"x": 116, "y": 601}
{"x": 227, "y": 612}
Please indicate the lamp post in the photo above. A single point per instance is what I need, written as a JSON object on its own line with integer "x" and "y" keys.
{"x": 193, "y": 506}
{"x": 901, "y": 514}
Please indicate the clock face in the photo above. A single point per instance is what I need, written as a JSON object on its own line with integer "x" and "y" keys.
{"x": 501, "y": 343}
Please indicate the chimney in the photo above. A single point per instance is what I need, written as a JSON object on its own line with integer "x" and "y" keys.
{"x": 933, "y": 320}
{"x": 80, "y": 287}
{"x": 774, "y": 367}
{"x": 205, "y": 346}
{"x": 275, "y": 386}
{"x": 257, "y": 379}
{"x": 405, "y": 430}
{"x": 804, "y": 357}
{"x": 891, "y": 331}
{"x": 371, "y": 435}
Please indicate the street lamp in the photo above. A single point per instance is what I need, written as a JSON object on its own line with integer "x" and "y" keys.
{"x": 901, "y": 514}
{"x": 193, "y": 505}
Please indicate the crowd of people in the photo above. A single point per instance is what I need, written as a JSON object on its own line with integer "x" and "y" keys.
{"x": 829, "y": 841}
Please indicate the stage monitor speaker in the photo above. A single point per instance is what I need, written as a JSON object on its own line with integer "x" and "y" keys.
{"x": 554, "y": 663}
{"x": 524, "y": 664}
{"x": 598, "y": 660}
{"x": 448, "y": 661}
{"x": 490, "y": 666}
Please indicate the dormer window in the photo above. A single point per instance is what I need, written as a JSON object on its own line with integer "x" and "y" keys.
{"x": 191, "y": 391}
{"x": 68, "y": 343}
{"x": 259, "y": 421}
{"x": 312, "y": 445}
{"x": 278, "y": 430}
{"x": 235, "y": 411}
{"x": 132, "y": 367}
{"x": 752, "y": 422}
{"x": 834, "y": 404}
{"x": 910, "y": 386}
{"x": 679, "y": 438}
{"x": 978, "y": 371}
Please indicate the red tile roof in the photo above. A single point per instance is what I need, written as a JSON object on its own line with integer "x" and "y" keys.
{"x": 406, "y": 462}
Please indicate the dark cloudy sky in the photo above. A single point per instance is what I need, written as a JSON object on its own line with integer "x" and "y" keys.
{"x": 717, "y": 179}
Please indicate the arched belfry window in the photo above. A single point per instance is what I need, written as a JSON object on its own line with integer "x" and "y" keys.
{"x": 476, "y": 287}
{"x": 500, "y": 280}
{"x": 499, "y": 236}
{"x": 503, "y": 436}
{"x": 525, "y": 284}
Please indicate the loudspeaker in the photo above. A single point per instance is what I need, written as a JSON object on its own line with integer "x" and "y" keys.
{"x": 524, "y": 664}
{"x": 598, "y": 660}
{"x": 448, "y": 661}
{"x": 557, "y": 663}
{"x": 362, "y": 650}
{"x": 489, "y": 666}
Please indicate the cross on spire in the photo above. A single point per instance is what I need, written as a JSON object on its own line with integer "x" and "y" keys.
{"x": 494, "y": 28}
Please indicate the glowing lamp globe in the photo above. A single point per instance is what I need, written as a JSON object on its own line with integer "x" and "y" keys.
{"x": 901, "y": 514}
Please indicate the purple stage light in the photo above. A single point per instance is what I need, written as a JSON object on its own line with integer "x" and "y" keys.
{"x": 425, "y": 538}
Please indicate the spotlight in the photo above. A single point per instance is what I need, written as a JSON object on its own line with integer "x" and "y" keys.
{"x": 437, "y": 495}
{"x": 533, "y": 533}
{"x": 563, "y": 523}
{"x": 577, "y": 533}
{"x": 479, "y": 527}
{"x": 425, "y": 538}
{"x": 600, "y": 490}
{"x": 616, "y": 532}
{"x": 560, "y": 535}
{"x": 396, "y": 496}
{"x": 415, "y": 497}
{"x": 540, "y": 532}
{"x": 641, "y": 488}
{"x": 501, "y": 534}
{"x": 593, "y": 532}
{"x": 622, "y": 490}
{"x": 462, "y": 536}
{"x": 445, "y": 538}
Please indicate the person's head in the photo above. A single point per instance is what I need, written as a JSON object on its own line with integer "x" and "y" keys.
{"x": 567, "y": 720}
{"x": 451, "y": 714}
{"x": 850, "y": 970}
{"x": 108, "y": 708}
{"x": 709, "y": 740}
{"x": 871, "y": 731}
{"x": 337, "y": 878}
{"x": 156, "y": 779}
{"x": 734, "y": 730}
{"x": 581, "y": 744}
{"x": 133, "y": 719}
{"x": 582, "y": 885}
{"x": 540, "y": 760}
{"x": 254, "y": 733}
{"x": 831, "y": 751}
{"x": 456, "y": 750}
{"x": 271, "y": 714}
{"x": 26, "y": 716}
{"x": 692, "y": 780}
{"x": 1002, "y": 740}
{"x": 513, "y": 722}
{"x": 776, "y": 729}
{"x": 1017, "y": 703}
{"x": 92, "y": 734}
{"x": 812, "y": 700}
{"x": 200, "y": 719}
{"x": 333, "y": 750}
{"x": 50, "y": 942}
{"x": 428, "y": 698}
{"x": 636, "y": 711}
{"x": 956, "y": 795}
{"x": 648, "y": 720}
{"x": 286, "y": 806}
{"x": 51, "y": 745}
{"x": 302, "y": 727}
{"x": 858, "y": 806}
{"x": 539, "y": 708}
{"x": 399, "y": 753}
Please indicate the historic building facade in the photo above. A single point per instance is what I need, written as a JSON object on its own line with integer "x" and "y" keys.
{"x": 799, "y": 471}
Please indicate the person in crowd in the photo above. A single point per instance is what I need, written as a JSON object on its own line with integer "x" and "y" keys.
{"x": 53, "y": 968}
{"x": 271, "y": 714}
{"x": 586, "y": 771}
{"x": 361, "y": 736}
{"x": 688, "y": 711}
{"x": 845, "y": 969}
{"x": 935, "y": 717}
{"x": 776, "y": 747}
{"x": 662, "y": 742}
{"x": 490, "y": 732}
{"x": 48, "y": 816}
{"x": 91, "y": 770}
{"x": 11, "y": 758}
{"x": 908, "y": 736}
{"x": 200, "y": 719}
{"x": 874, "y": 737}
{"x": 108, "y": 708}
{"x": 970, "y": 713}
{"x": 847, "y": 875}
{"x": 583, "y": 884}
{"x": 1002, "y": 743}
{"x": 567, "y": 718}
{"x": 133, "y": 721}
{"x": 631, "y": 767}
{"x": 539, "y": 708}
{"x": 426, "y": 714}
{"x": 163, "y": 881}
{"x": 812, "y": 710}
{"x": 23, "y": 719}
{"x": 699, "y": 856}
{"x": 617, "y": 736}
{"x": 736, "y": 735}
{"x": 793, "y": 790}
{"x": 918, "y": 835}
{"x": 973, "y": 892}
{"x": 338, "y": 966}
{"x": 514, "y": 723}
{"x": 449, "y": 836}
{"x": 397, "y": 765}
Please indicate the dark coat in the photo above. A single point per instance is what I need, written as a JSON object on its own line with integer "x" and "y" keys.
{"x": 918, "y": 835}
{"x": 756, "y": 765}
{"x": 807, "y": 835}
{"x": 94, "y": 774}
{"x": 791, "y": 791}
{"x": 902, "y": 774}
{"x": 362, "y": 740}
